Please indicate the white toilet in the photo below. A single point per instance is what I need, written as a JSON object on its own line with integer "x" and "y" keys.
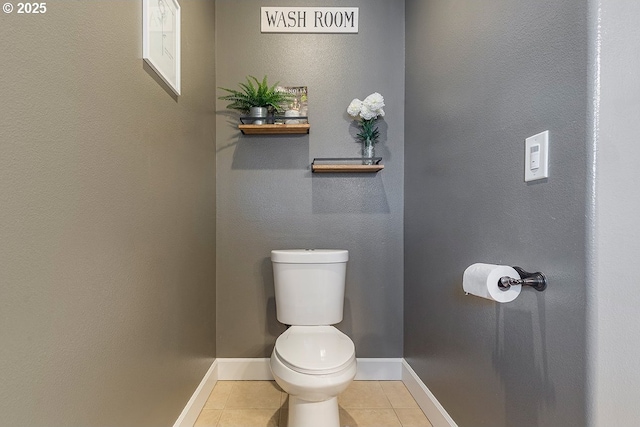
{"x": 312, "y": 361}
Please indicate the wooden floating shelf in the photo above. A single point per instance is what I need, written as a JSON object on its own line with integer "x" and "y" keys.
{"x": 337, "y": 165}
{"x": 274, "y": 129}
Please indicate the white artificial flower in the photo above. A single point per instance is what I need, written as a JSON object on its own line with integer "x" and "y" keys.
{"x": 368, "y": 110}
{"x": 367, "y": 113}
{"x": 374, "y": 102}
{"x": 354, "y": 108}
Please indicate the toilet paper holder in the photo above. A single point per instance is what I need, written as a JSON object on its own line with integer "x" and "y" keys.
{"x": 537, "y": 280}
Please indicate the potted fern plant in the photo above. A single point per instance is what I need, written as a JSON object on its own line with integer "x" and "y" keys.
{"x": 256, "y": 99}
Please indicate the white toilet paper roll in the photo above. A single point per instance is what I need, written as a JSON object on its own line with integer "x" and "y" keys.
{"x": 482, "y": 280}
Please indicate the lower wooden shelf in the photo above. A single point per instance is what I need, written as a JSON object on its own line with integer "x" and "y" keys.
{"x": 346, "y": 165}
{"x": 273, "y": 129}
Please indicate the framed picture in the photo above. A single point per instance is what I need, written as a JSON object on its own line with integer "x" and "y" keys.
{"x": 161, "y": 39}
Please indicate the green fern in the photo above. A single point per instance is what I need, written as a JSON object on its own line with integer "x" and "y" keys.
{"x": 258, "y": 95}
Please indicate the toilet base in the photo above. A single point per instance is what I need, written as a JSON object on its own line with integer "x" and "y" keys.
{"x": 303, "y": 413}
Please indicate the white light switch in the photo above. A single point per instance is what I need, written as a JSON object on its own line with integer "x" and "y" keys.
{"x": 536, "y": 157}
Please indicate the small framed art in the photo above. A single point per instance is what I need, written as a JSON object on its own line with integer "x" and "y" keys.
{"x": 161, "y": 39}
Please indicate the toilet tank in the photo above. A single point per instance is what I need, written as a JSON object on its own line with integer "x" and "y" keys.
{"x": 309, "y": 285}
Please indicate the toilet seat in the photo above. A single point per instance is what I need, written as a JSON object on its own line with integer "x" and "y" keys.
{"x": 315, "y": 350}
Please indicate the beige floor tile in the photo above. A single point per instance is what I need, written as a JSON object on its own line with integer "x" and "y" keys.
{"x": 208, "y": 418}
{"x": 219, "y": 395}
{"x": 398, "y": 394}
{"x": 250, "y": 418}
{"x": 264, "y": 404}
{"x": 254, "y": 395}
{"x": 368, "y": 418}
{"x": 364, "y": 394}
{"x": 411, "y": 417}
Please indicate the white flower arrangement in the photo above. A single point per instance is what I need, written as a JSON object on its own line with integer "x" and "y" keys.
{"x": 367, "y": 112}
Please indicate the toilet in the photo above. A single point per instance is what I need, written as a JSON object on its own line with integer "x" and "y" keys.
{"x": 312, "y": 361}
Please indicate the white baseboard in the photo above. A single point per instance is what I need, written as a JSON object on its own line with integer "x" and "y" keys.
{"x": 191, "y": 411}
{"x": 233, "y": 369}
{"x": 258, "y": 369}
{"x": 437, "y": 415}
{"x": 369, "y": 369}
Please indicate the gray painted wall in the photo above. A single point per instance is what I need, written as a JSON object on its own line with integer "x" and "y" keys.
{"x": 107, "y": 188}
{"x": 480, "y": 78}
{"x": 614, "y": 318}
{"x": 268, "y": 198}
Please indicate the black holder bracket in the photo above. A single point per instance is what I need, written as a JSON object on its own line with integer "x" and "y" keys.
{"x": 272, "y": 119}
{"x": 537, "y": 281}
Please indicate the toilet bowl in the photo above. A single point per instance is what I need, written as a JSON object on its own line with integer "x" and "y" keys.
{"x": 311, "y": 361}
{"x": 313, "y": 364}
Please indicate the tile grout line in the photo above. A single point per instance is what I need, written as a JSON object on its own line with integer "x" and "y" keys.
{"x": 226, "y": 400}
{"x": 391, "y": 405}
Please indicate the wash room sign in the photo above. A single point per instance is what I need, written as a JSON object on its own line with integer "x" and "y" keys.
{"x": 309, "y": 19}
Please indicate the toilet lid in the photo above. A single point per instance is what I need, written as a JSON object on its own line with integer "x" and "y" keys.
{"x": 315, "y": 349}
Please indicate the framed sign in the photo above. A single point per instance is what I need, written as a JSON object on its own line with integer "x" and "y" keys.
{"x": 309, "y": 19}
{"x": 161, "y": 39}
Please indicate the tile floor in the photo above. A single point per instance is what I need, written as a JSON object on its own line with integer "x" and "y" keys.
{"x": 264, "y": 404}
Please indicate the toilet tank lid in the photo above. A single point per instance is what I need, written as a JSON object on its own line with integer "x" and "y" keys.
{"x": 309, "y": 256}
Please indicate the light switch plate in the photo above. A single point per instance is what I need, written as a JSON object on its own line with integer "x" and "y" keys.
{"x": 540, "y": 168}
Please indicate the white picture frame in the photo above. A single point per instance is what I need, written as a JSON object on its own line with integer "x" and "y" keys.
{"x": 161, "y": 39}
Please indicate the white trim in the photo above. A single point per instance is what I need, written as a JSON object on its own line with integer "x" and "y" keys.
{"x": 437, "y": 415}
{"x": 257, "y": 369}
{"x": 236, "y": 369}
{"x": 369, "y": 369}
{"x": 192, "y": 410}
